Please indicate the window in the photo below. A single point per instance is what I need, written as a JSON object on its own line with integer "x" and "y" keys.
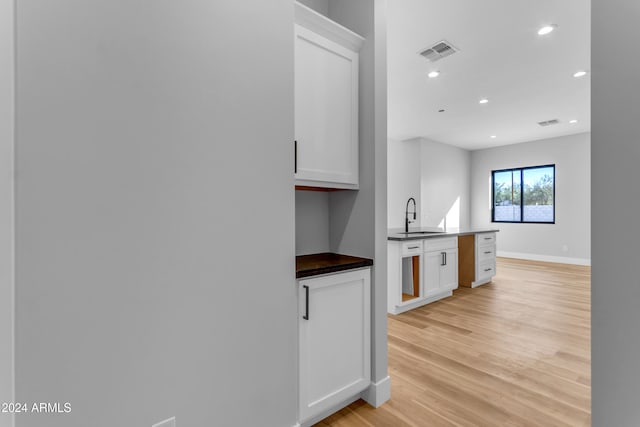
{"x": 524, "y": 195}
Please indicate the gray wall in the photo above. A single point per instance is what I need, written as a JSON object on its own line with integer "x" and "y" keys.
{"x": 146, "y": 139}
{"x": 379, "y": 312}
{"x": 312, "y": 222}
{"x": 615, "y": 164}
{"x": 571, "y": 155}
{"x": 6, "y": 206}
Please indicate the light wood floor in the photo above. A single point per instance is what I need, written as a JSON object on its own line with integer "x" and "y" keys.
{"x": 515, "y": 352}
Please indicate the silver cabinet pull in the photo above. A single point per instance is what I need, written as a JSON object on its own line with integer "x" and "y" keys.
{"x": 413, "y": 247}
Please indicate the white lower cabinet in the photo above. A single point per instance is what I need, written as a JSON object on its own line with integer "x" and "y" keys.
{"x": 440, "y": 271}
{"x": 334, "y": 340}
{"x": 421, "y": 272}
{"x": 440, "y": 265}
{"x": 485, "y": 248}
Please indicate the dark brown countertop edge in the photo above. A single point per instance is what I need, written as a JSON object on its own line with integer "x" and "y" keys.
{"x": 328, "y": 262}
{"x": 397, "y": 236}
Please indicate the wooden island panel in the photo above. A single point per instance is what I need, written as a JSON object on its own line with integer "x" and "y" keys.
{"x": 466, "y": 260}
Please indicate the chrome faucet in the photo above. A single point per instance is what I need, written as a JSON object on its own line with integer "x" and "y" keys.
{"x": 406, "y": 214}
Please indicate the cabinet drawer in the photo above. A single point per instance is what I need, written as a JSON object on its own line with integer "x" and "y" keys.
{"x": 486, "y": 253}
{"x": 486, "y": 269}
{"x": 485, "y": 239}
{"x": 412, "y": 247}
{"x": 439, "y": 243}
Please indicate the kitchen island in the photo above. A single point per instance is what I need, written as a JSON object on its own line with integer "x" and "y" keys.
{"x": 427, "y": 264}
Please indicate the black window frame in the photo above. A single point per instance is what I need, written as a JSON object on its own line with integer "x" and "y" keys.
{"x": 521, "y": 169}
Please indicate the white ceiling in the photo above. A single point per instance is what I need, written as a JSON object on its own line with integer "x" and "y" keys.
{"x": 527, "y": 78}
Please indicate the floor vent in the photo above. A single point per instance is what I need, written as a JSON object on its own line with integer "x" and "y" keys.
{"x": 438, "y": 51}
{"x": 549, "y": 122}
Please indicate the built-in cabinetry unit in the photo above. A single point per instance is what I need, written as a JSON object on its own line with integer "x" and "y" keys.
{"x": 420, "y": 272}
{"x": 478, "y": 251}
{"x": 334, "y": 334}
{"x": 334, "y": 289}
{"x": 326, "y": 102}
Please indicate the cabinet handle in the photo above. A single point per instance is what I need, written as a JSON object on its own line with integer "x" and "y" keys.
{"x": 444, "y": 258}
{"x": 487, "y": 252}
{"x": 295, "y": 156}
{"x": 487, "y": 238}
{"x": 487, "y": 269}
{"x": 413, "y": 247}
{"x": 306, "y": 302}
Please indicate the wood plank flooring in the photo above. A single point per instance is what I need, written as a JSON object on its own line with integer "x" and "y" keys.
{"x": 515, "y": 352}
{"x": 407, "y": 297}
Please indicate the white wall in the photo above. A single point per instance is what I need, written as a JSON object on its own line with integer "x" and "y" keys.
{"x": 444, "y": 185}
{"x": 547, "y": 242}
{"x": 436, "y": 175}
{"x": 6, "y": 205}
{"x": 151, "y": 136}
{"x": 320, "y": 6}
{"x": 312, "y": 222}
{"x": 615, "y": 282}
{"x": 403, "y": 180}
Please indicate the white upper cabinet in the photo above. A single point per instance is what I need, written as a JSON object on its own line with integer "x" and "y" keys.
{"x": 326, "y": 102}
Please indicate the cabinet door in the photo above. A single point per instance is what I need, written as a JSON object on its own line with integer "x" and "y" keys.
{"x": 326, "y": 110}
{"x": 334, "y": 340}
{"x": 431, "y": 272}
{"x": 449, "y": 271}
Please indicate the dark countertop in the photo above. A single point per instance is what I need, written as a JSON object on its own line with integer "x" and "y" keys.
{"x": 315, "y": 264}
{"x": 398, "y": 233}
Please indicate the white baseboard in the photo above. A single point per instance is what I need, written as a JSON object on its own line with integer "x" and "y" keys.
{"x": 378, "y": 393}
{"x": 418, "y": 302}
{"x": 546, "y": 258}
{"x": 332, "y": 410}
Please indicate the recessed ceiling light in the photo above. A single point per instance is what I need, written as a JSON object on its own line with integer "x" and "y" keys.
{"x": 493, "y": 136}
{"x": 483, "y": 101}
{"x": 546, "y": 29}
{"x": 580, "y": 73}
{"x": 433, "y": 74}
{"x": 573, "y": 122}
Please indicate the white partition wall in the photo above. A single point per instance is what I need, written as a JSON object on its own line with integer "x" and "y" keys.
{"x": 615, "y": 203}
{"x": 150, "y": 135}
{"x": 6, "y": 205}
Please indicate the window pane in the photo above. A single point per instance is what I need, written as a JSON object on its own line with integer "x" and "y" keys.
{"x": 506, "y": 195}
{"x": 538, "y": 194}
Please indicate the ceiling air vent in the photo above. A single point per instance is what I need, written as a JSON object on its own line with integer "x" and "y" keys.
{"x": 549, "y": 122}
{"x": 438, "y": 51}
